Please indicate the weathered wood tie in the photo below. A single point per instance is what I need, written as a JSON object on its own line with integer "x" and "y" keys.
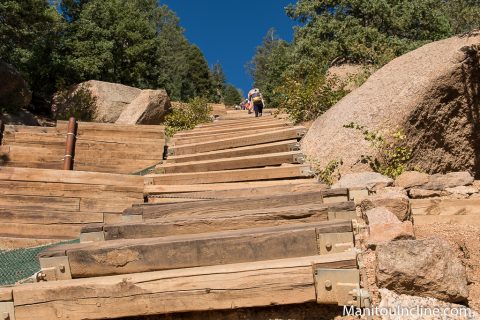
{"x": 255, "y": 161}
{"x": 247, "y": 140}
{"x": 197, "y": 250}
{"x": 152, "y": 211}
{"x": 232, "y": 220}
{"x": 274, "y": 147}
{"x": 244, "y": 285}
{"x": 239, "y": 175}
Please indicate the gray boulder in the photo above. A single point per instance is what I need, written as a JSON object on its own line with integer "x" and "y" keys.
{"x": 426, "y": 268}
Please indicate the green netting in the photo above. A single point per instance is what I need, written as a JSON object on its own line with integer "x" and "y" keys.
{"x": 145, "y": 171}
{"x": 19, "y": 264}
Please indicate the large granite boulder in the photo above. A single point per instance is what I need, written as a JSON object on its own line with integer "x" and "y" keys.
{"x": 149, "y": 107}
{"x": 429, "y": 93}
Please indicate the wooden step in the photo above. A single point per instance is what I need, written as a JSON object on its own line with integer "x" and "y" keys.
{"x": 171, "y": 189}
{"x": 265, "y": 283}
{"x": 96, "y": 259}
{"x": 274, "y": 147}
{"x": 241, "y": 129}
{"x": 232, "y": 122}
{"x": 448, "y": 211}
{"x": 225, "y": 205}
{"x": 283, "y": 172}
{"x": 219, "y": 136}
{"x": 232, "y": 220}
{"x": 256, "y": 161}
{"x": 244, "y": 192}
{"x": 247, "y": 140}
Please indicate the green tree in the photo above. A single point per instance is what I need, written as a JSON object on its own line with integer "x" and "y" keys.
{"x": 271, "y": 60}
{"x": 29, "y": 31}
{"x": 363, "y": 31}
{"x": 197, "y": 82}
{"x": 232, "y": 95}
{"x": 218, "y": 82}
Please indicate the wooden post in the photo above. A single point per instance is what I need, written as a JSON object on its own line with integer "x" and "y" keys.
{"x": 70, "y": 145}
{"x": 2, "y": 129}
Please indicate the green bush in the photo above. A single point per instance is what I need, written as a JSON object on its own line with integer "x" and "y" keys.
{"x": 187, "y": 116}
{"x": 305, "y": 99}
{"x": 329, "y": 174}
{"x": 392, "y": 155}
{"x": 77, "y": 102}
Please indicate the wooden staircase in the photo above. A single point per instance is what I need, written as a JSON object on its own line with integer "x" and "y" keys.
{"x": 233, "y": 219}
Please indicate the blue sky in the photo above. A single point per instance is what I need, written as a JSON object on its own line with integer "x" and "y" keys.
{"x": 229, "y": 31}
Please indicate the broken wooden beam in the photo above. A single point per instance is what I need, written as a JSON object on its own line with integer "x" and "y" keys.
{"x": 246, "y": 140}
{"x": 255, "y": 161}
{"x": 283, "y": 172}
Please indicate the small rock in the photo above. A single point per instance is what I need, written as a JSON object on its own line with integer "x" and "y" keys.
{"x": 397, "y": 203}
{"x": 393, "y": 302}
{"x": 449, "y": 180}
{"x": 423, "y": 193}
{"x": 410, "y": 179}
{"x": 362, "y": 180}
{"x": 427, "y": 268}
{"x": 463, "y": 190}
{"x": 380, "y": 215}
{"x": 384, "y": 233}
{"x": 392, "y": 189}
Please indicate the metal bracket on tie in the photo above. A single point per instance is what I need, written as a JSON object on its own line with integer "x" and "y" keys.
{"x": 294, "y": 146}
{"x": 92, "y": 236}
{"x": 306, "y": 172}
{"x": 359, "y": 226}
{"x": 340, "y": 287}
{"x": 341, "y": 215}
{"x": 334, "y": 242}
{"x": 54, "y": 268}
{"x": 299, "y": 158}
{"x": 301, "y": 132}
{"x": 7, "y": 310}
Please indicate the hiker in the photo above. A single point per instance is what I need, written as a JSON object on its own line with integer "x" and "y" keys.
{"x": 245, "y": 104}
{"x": 256, "y": 101}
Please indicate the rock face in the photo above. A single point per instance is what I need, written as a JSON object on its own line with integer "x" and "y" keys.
{"x": 362, "y": 180}
{"x": 428, "y": 93}
{"x": 426, "y": 268}
{"x": 14, "y": 92}
{"x": 149, "y": 107}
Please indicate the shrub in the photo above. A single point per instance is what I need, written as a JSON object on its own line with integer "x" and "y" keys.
{"x": 329, "y": 174}
{"x": 392, "y": 155}
{"x": 77, "y": 102}
{"x": 187, "y": 115}
{"x": 306, "y": 99}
